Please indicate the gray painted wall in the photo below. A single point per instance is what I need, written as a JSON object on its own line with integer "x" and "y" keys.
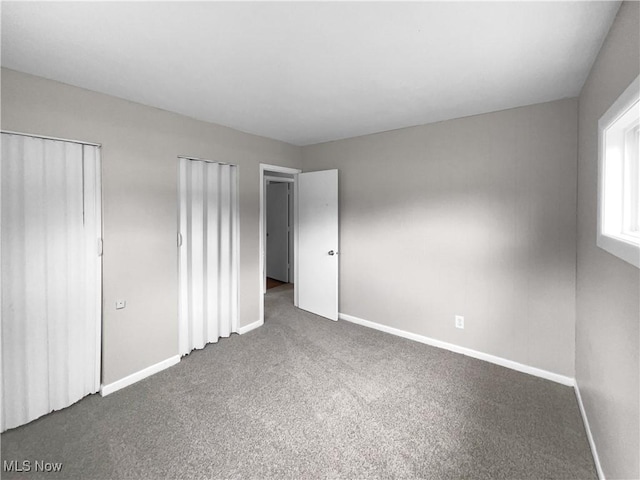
{"x": 474, "y": 216}
{"x": 140, "y": 146}
{"x": 608, "y": 289}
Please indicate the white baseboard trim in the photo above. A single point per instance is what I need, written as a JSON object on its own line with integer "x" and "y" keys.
{"x": 554, "y": 377}
{"x": 136, "y": 377}
{"x": 592, "y": 444}
{"x": 251, "y": 326}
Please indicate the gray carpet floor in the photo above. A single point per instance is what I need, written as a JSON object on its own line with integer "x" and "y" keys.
{"x": 305, "y": 397}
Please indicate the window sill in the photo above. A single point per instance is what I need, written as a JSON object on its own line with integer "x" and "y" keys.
{"x": 627, "y": 250}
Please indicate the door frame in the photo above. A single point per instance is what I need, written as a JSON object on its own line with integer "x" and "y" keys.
{"x": 262, "y": 259}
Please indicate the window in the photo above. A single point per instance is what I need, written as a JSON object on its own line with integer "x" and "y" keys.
{"x": 619, "y": 177}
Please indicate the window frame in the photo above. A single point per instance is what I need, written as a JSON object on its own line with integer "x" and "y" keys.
{"x": 622, "y": 244}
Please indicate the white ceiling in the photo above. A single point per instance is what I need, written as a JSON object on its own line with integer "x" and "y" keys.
{"x": 312, "y": 72}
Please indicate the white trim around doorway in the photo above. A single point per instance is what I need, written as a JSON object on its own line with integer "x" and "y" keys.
{"x": 262, "y": 244}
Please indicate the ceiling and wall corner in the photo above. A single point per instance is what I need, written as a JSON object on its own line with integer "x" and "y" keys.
{"x": 312, "y": 72}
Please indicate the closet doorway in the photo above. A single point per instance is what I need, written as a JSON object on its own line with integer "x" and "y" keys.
{"x": 208, "y": 252}
{"x": 51, "y": 274}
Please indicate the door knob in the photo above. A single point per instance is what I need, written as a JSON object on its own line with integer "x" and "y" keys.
{"x": 331, "y": 252}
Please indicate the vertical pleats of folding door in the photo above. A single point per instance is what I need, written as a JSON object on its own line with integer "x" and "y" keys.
{"x": 208, "y": 256}
{"x": 50, "y": 276}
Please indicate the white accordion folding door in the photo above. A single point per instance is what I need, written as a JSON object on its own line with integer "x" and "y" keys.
{"x": 208, "y": 252}
{"x": 51, "y": 275}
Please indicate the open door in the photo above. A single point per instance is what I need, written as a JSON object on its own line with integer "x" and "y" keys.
{"x": 317, "y": 282}
{"x": 278, "y": 231}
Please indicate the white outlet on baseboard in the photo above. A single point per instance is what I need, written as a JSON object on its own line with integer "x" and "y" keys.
{"x": 459, "y": 321}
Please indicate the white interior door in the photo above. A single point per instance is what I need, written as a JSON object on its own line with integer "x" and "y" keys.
{"x": 317, "y": 281}
{"x": 278, "y": 231}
